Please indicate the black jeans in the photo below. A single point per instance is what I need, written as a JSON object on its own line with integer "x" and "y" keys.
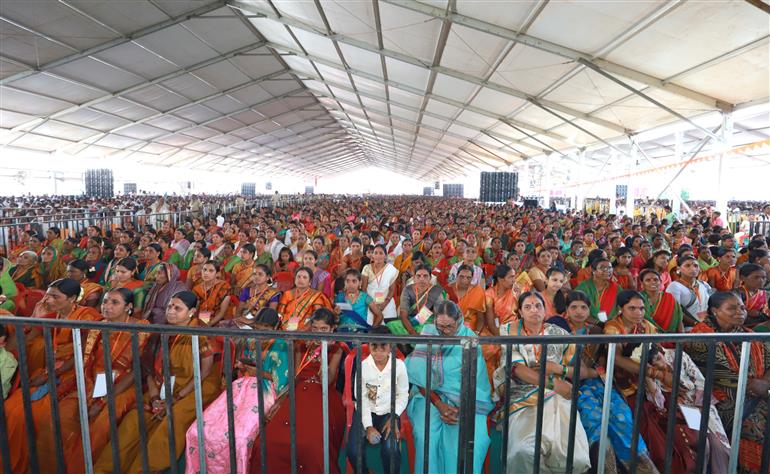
{"x": 387, "y": 445}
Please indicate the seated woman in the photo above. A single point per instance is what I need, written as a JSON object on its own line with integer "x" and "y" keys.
{"x": 753, "y": 279}
{"x": 274, "y": 368}
{"x": 726, "y": 314}
{"x": 117, "y": 307}
{"x": 90, "y": 293}
{"x": 165, "y": 286}
{"x": 722, "y": 277}
{"x": 522, "y": 411}
{"x": 691, "y": 383}
{"x": 660, "y": 307}
{"x": 200, "y": 257}
{"x": 470, "y": 298}
{"x": 418, "y": 301}
{"x": 123, "y": 276}
{"x": 554, "y": 295}
{"x": 591, "y": 396}
{"x": 625, "y": 274}
{"x": 297, "y": 305}
{"x": 285, "y": 262}
{"x": 243, "y": 270}
{"x": 258, "y": 293}
{"x": 8, "y": 290}
{"x": 601, "y": 290}
{"x": 356, "y": 318}
{"x": 59, "y": 302}
{"x": 213, "y": 295}
{"x": 691, "y": 293}
{"x": 27, "y": 270}
{"x": 120, "y": 252}
{"x": 653, "y": 424}
{"x": 181, "y": 311}
{"x": 308, "y": 403}
{"x": 659, "y": 262}
{"x": 445, "y": 364}
{"x": 52, "y": 267}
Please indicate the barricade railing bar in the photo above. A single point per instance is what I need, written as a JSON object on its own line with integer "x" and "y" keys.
{"x": 471, "y": 351}
{"x": 74, "y": 225}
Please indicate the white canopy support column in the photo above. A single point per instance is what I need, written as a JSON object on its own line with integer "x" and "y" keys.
{"x": 612, "y": 185}
{"x": 632, "y": 162}
{"x": 727, "y": 142}
{"x": 675, "y": 191}
{"x": 547, "y": 180}
{"x": 581, "y": 191}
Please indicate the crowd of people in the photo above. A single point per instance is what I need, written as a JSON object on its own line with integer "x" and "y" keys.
{"x": 390, "y": 266}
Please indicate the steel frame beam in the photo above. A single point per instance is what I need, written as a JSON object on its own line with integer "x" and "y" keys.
{"x": 559, "y": 50}
{"x": 130, "y": 37}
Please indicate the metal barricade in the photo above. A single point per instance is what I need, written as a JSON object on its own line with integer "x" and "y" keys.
{"x": 471, "y": 351}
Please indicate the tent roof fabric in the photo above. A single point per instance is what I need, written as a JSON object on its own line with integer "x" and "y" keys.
{"x": 431, "y": 89}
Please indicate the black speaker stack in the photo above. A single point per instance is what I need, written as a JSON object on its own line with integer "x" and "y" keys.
{"x": 427, "y": 191}
{"x": 248, "y": 189}
{"x": 99, "y": 183}
{"x": 269, "y": 186}
{"x": 309, "y": 190}
{"x": 129, "y": 188}
{"x": 621, "y": 191}
{"x": 436, "y": 185}
{"x": 454, "y": 190}
{"x": 498, "y": 186}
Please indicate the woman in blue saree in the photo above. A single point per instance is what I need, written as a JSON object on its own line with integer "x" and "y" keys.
{"x": 446, "y": 379}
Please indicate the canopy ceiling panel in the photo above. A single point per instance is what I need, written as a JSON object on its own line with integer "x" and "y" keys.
{"x": 432, "y": 89}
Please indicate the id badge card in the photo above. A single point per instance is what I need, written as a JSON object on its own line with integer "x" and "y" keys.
{"x": 423, "y": 315}
{"x": 379, "y": 297}
{"x": 100, "y": 385}
{"x": 171, "y": 381}
{"x": 292, "y": 324}
{"x": 205, "y": 316}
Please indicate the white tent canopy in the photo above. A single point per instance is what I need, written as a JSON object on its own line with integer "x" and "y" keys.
{"x": 430, "y": 89}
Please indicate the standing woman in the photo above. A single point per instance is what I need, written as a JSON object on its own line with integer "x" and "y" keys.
{"x": 59, "y": 302}
{"x": 660, "y": 308}
{"x": 124, "y": 277}
{"x": 117, "y": 307}
{"x": 52, "y": 267}
{"x": 298, "y": 304}
{"x": 309, "y": 408}
{"x": 445, "y": 364}
{"x": 181, "y": 312}
{"x": 379, "y": 279}
{"x": 726, "y": 314}
{"x": 418, "y": 302}
{"x": 90, "y": 293}
{"x": 258, "y": 293}
{"x": 274, "y": 376}
{"x": 165, "y": 286}
{"x": 654, "y": 421}
{"x": 213, "y": 295}
{"x": 522, "y": 411}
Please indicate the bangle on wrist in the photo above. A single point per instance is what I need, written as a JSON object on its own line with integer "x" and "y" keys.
{"x": 564, "y": 372}
{"x": 549, "y": 385}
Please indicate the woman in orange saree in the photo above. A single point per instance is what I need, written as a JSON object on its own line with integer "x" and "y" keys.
{"x": 58, "y": 302}
{"x": 403, "y": 264}
{"x": 213, "y": 295}
{"x": 27, "y": 270}
{"x": 124, "y": 276}
{"x": 243, "y": 270}
{"x": 297, "y": 305}
{"x": 180, "y": 312}
{"x": 117, "y": 307}
{"x": 501, "y": 302}
{"x": 90, "y": 292}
